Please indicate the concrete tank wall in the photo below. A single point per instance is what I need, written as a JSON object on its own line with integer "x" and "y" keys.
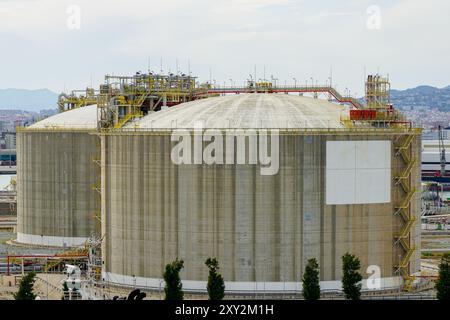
{"x": 262, "y": 229}
{"x": 56, "y": 177}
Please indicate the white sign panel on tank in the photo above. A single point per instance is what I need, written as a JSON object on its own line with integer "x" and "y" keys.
{"x": 358, "y": 172}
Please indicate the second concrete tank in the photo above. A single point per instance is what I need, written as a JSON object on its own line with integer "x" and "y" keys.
{"x": 57, "y": 174}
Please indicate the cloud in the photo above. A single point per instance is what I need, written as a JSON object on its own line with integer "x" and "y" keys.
{"x": 290, "y": 38}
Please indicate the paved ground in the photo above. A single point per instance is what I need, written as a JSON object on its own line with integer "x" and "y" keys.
{"x": 46, "y": 286}
{"x": 6, "y": 293}
{"x": 49, "y": 286}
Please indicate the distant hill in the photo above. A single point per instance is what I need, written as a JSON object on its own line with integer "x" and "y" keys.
{"x": 418, "y": 97}
{"x": 29, "y": 100}
{"x": 422, "y": 97}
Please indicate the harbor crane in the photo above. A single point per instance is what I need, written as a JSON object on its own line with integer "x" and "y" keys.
{"x": 442, "y": 151}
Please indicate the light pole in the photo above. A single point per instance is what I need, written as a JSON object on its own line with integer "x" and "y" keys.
{"x": 295, "y": 82}
{"x": 274, "y": 79}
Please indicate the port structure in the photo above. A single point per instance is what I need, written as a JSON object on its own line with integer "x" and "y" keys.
{"x": 124, "y": 98}
{"x": 378, "y": 92}
{"x": 121, "y": 99}
{"x": 77, "y": 99}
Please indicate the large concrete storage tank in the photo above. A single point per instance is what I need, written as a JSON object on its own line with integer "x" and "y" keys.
{"x": 336, "y": 191}
{"x": 56, "y": 176}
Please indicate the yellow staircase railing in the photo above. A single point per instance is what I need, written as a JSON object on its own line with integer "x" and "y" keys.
{"x": 407, "y": 171}
{"x": 404, "y": 233}
{"x": 135, "y": 105}
{"x": 122, "y": 121}
{"x": 403, "y": 238}
{"x": 406, "y": 201}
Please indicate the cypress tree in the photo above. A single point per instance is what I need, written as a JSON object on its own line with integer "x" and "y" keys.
{"x": 26, "y": 287}
{"x": 173, "y": 288}
{"x": 216, "y": 284}
{"x": 351, "y": 280}
{"x": 310, "y": 281}
{"x": 443, "y": 282}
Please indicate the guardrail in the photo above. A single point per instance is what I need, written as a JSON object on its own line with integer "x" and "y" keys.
{"x": 280, "y": 131}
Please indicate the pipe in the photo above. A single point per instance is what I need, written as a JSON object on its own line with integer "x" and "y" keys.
{"x": 60, "y": 104}
{"x": 60, "y": 256}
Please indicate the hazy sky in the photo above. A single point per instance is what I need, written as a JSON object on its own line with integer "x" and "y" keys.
{"x": 59, "y": 44}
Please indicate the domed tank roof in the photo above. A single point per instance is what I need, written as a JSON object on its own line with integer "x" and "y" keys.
{"x": 79, "y": 118}
{"x": 247, "y": 111}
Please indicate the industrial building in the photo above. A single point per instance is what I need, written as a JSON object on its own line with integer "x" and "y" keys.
{"x": 8, "y": 159}
{"x": 56, "y": 175}
{"x": 345, "y": 182}
{"x": 335, "y": 192}
{"x": 435, "y": 155}
{"x": 8, "y": 196}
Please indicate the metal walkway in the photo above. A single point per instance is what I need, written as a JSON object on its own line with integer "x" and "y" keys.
{"x": 284, "y": 89}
